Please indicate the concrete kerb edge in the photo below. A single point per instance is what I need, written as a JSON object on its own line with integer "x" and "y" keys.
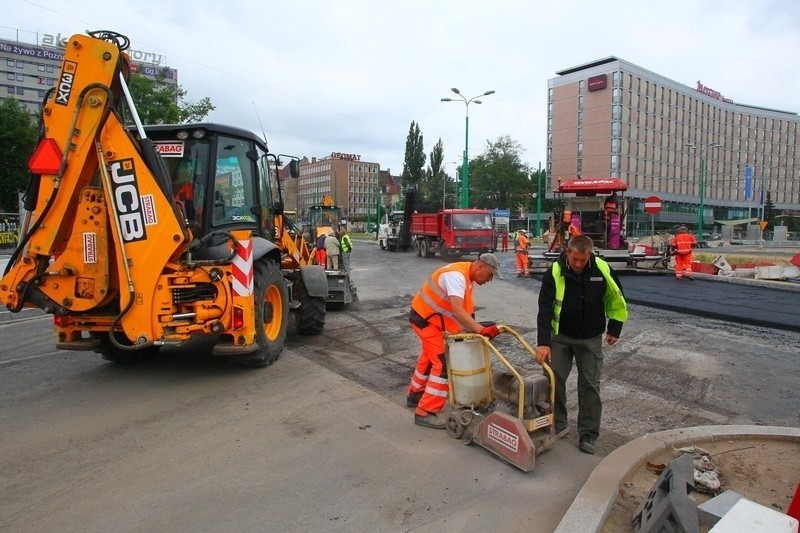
{"x": 591, "y": 508}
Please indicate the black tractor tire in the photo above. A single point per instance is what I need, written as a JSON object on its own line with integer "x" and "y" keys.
{"x": 121, "y": 356}
{"x": 271, "y": 303}
{"x": 310, "y": 316}
{"x": 427, "y": 250}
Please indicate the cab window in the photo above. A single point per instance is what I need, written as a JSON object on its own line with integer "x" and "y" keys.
{"x": 234, "y": 183}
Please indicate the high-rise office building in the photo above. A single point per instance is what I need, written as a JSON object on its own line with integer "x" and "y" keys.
{"x": 613, "y": 118}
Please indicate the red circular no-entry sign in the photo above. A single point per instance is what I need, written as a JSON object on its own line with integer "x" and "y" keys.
{"x": 652, "y": 205}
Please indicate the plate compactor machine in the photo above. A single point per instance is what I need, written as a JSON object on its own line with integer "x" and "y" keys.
{"x": 497, "y": 408}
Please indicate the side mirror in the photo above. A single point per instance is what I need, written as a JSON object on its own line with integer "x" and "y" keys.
{"x": 294, "y": 168}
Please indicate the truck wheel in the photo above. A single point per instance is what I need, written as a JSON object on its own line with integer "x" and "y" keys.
{"x": 423, "y": 248}
{"x": 112, "y": 353}
{"x": 272, "y": 309}
{"x": 383, "y": 244}
{"x": 310, "y": 316}
{"x": 417, "y": 249}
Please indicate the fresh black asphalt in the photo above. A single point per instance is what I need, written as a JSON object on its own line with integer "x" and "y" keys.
{"x": 744, "y": 303}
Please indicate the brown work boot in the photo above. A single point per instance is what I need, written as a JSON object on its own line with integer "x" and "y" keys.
{"x": 431, "y": 420}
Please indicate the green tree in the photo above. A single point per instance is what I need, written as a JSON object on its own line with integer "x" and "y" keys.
{"x": 18, "y": 135}
{"x": 158, "y": 102}
{"x": 500, "y": 179}
{"x": 414, "y": 162}
{"x": 432, "y": 186}
{"x": 770, "y": 213}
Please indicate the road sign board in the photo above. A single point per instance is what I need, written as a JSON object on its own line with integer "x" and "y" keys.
{"x": 652, "y": 205}
{"x": 763, "y": 224}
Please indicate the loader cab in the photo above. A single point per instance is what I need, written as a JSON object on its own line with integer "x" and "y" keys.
{"x": 221, "y": 177}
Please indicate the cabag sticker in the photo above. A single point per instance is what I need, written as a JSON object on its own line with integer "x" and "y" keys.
{"x": 149, "y": 210}
{"x": 169, "y": 148}
{"x": 503, "y": 437}
{"x": 89, "y": 248}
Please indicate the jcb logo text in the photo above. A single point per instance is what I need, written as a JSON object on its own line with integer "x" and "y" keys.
{"x": 127, "y": 200}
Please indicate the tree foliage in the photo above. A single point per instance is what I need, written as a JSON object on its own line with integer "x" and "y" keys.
{"x": 158, "y": 102}
{"x": 500, "y": 179}
{"x": 432, "y": 187}
{"x": 414, "y": 161}
{"x": 18, "y": 136}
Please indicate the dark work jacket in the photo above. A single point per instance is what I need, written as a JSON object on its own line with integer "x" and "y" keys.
{"x": 583, "y": 314}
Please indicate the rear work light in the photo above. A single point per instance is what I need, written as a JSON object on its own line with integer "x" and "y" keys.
{"x": 46, "y": 159}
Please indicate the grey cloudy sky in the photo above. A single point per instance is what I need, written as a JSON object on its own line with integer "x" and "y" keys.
{"x": 350, "y": 76}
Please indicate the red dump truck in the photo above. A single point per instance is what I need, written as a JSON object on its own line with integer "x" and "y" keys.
{"x": 452, "y": 232}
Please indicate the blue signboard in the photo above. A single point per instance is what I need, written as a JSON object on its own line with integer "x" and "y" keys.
{"x": 748, "y": 182}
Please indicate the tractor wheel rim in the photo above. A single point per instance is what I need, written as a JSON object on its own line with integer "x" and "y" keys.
{"x": 273, "y": 311}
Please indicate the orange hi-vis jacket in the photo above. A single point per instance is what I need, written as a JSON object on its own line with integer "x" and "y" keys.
{"x": 431, "y": 300}
{"x": 683, "y": 243}
{"x": 521, "y": 246}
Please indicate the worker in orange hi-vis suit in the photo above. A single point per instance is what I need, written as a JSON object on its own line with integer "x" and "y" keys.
{"x": 521, "y": 249}
{"x": 682, "y": 245}
{"x": 444, "y": 303}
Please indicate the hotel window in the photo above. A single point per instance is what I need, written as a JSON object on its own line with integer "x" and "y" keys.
{"x": 580, "y": 117}
{"x": 616, "y": 112}
{"x": 580, "y": 149}
{"x": 615, "y": 128}
{"x": 617, "y": 77}
{"x": 580, "y": 102}
{"x": 616, "y": 95}
{"x": 580, "y": 87}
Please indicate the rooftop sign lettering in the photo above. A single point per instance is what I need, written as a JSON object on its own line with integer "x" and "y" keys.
{"x": 347, "y": 157}
{"x": 712, "y": 93}
{"x": 151, "y": 58}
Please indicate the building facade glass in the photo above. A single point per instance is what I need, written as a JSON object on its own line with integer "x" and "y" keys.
{"x": 663, "y": 138}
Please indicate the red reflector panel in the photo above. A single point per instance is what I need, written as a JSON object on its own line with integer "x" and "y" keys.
{"x": 47, "y": 158}
{"x": 238, "y": 318}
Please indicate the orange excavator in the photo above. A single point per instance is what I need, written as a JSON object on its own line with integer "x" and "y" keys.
{"x": 143, "y": 237}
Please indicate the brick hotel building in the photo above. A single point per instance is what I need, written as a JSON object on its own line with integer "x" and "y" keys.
{"x": 613, "y": 118}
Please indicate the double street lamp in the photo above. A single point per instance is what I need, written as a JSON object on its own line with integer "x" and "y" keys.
{"x": 703, "y": 148}
{"x": 465, "y": 166}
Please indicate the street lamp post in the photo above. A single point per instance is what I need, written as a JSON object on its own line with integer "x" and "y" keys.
{"x": 700, "y": 214}
{"x": 465, "y": 166}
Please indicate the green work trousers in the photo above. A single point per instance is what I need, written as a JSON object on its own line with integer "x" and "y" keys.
{"x": 588, "y": 355}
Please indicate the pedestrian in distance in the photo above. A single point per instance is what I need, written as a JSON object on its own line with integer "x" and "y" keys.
{"x": 320, "y": 253}
{"x": 444, "y": 303}
{"x": 521, "y": 244}
{"x": 580, "y": 299}
{"x": 346, "y": 245}
{"x": 682, "y": 246}
{"x": 504, "y": 240}
{"x": 332, "y": 250}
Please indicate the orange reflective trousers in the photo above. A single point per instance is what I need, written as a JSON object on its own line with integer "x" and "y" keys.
{"x": 430, "y": 374}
